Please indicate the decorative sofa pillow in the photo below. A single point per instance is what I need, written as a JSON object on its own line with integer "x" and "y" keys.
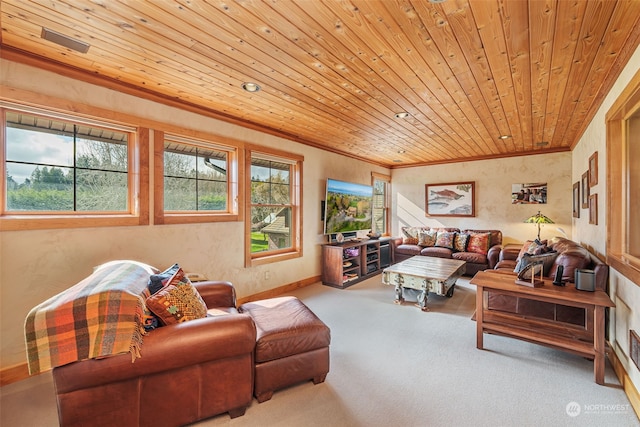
{"x": 532, "y": 247}
{"x": 160, "y": 280}
{"x": 460, "y": 242}
{"x": 410, "y": 235}
{"x": 479, "y": 243}
{"x": 547, "y": 262}
{"x": 445, "y": 239}
{"x": 427, "y": 238}
{"x": 178, "y": 301}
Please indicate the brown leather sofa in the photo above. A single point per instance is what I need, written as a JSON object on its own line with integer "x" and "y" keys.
{"x": 403, "y": 248}
{"x": 571, "y": 256}
{"x": 187, "y": 372}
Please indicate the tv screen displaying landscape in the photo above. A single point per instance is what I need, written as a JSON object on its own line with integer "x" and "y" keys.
{"x": 347, "y": 207}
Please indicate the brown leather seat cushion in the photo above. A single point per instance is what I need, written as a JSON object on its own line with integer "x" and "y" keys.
{"x": 470, "y": 257}
{"x": 285, "y": 326}
{"x": 435, "y": 251}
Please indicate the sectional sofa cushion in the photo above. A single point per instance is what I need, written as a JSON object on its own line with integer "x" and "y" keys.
{"x": 471, "y": 257}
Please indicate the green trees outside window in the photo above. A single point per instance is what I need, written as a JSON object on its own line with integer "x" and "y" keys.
{"x": 195, "y": 178}
{"x": 58, "y": 166}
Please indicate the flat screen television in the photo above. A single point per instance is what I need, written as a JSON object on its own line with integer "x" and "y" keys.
{"x": 347, "y": 207}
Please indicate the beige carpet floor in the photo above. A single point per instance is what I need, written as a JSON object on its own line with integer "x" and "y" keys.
{"x": 393, "y": 365}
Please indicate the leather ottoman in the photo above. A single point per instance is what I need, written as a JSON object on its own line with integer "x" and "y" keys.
{"x": 292, "y": 345}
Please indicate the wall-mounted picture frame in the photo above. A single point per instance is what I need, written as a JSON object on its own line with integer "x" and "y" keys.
{"x": 585, "y": 190}
{"x": 576, "y": 199}
{"x": 593, "y": 169}
{"x": 530, "y": 193}
{"x": 593, "y": 209}
{"x": 450, "y": 199}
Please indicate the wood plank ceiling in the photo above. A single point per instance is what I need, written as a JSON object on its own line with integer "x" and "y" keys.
{"x": 333, "y": 74}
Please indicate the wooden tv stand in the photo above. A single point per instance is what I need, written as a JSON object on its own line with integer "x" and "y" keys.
{"x": 587, "y": 341}
{"x": 345, "y": 264}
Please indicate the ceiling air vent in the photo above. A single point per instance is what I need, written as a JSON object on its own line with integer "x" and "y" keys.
{"x": 66, "y": 41}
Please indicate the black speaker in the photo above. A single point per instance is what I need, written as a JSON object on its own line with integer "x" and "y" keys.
{"x": 585, "y": 280}
{"x": 558, "y": 279}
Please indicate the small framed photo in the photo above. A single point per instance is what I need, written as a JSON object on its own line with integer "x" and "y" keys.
{"x": 576, "y": 200}
{"x": 585, "y": 190}
{"x": 593, "y": 209}
{"x": 593, "y": 169}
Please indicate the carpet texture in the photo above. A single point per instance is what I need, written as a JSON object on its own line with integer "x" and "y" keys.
{"x": 393, "y": 365}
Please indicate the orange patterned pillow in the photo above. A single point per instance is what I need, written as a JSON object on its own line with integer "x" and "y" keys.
{"x": 479, "y": 243}
{"x": 178, "y": 301}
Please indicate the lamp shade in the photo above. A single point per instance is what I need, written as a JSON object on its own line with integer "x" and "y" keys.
{"x": 538, "y": 219}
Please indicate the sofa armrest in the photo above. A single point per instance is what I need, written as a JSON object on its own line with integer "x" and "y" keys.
{"x": 395, "y": 241}
{"x": 493, "y": 256}
{"x": 165, "y": 349}
{"x": 217, "y": 293}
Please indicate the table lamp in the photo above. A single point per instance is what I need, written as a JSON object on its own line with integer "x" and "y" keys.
{"x": 538, "y": 219}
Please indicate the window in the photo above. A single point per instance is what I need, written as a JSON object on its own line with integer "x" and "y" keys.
{"x": 273, "y": 208}
{"x": 198, "y": 181}
{"x": 58, "y": 167}
{"x": 381, "y": 192}
{"x": 623, "y": 182}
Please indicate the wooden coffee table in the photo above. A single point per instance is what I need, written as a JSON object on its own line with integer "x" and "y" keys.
{"x": 426, "y": 274}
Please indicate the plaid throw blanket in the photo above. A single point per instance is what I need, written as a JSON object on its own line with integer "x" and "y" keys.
{"x": 100, "y": 316}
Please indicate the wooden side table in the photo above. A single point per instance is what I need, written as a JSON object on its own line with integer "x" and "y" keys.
{"x": 587, "y": 341}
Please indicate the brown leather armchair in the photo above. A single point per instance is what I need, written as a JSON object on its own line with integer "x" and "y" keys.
{"x": 187, "y": 372}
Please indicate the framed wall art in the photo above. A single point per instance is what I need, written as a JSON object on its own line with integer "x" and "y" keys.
{"x": 531, "y": 193}
{"x": 585, "y": 190}
{"x": 593, "y": 169}
{"x": 593, "y": 209}
{"x": 451, "y": 199}
{"x": 576, "y": 200}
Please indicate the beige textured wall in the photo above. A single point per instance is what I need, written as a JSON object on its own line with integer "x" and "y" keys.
{"x": 493, "y": 180}
{"x": 624, "y": 293}
{"x": 35, "y": 265}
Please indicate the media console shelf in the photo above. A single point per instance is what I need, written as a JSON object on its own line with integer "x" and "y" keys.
{"x": 587, "y": 341}
{"x": 345, "y": 264}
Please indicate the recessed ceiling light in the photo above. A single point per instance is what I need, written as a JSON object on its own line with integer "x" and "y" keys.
{"x": 401, "y": 151}
{"x": 64, "y": 40}
{"x": 250, "y": 87}
{"x": 504, "y": 137}
{"x": 402, "y": 115}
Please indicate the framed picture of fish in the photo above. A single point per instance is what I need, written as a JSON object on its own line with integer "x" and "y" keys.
{"x": 451, "y": 199}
